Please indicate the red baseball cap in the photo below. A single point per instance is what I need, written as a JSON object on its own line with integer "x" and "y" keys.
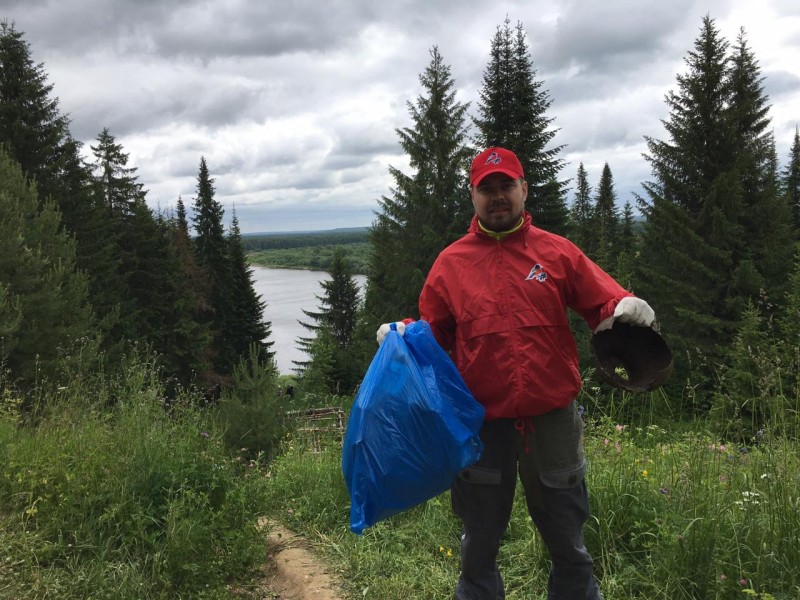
{"x": 495, "y": 160}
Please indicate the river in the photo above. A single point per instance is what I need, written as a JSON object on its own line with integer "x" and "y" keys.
{"x": 287, "y": 292}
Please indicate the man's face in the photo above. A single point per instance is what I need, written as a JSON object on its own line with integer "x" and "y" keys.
{"x": 499, "y": 201}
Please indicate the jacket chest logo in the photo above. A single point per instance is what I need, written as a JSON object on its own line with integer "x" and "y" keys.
{"x": 537, "y": 273}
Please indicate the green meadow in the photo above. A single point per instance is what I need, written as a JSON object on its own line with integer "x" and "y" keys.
{"x": 109, "y": 491}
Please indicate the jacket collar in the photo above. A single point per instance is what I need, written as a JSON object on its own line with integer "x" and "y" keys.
{"x": 527, "y": 221}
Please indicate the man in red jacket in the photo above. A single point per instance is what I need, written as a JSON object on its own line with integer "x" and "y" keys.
{"x": 497, "y": 300}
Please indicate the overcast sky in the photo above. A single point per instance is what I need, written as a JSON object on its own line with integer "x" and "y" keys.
{"x": 294, "y": 105}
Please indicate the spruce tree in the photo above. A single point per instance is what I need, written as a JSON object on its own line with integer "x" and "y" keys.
{"x": 38, "y": 138}
{"x": 211, "y": 254}
{"x": 624, "y": 270}
{"x": 429, "y": 208}
{"x": 698, "y": 149}
{"x": 675, "y": 271}
{"x": 36, "y": 133}
{"x": 791, "y": 183}
{"x": 247, "y": 324}
{"x": 117, "y": 182}
{"x": 334, "y": 326}
{"x": 582, "y": 209}
{"x": 714, "y": 191}
{"x": 605, "y": 222}
{"x": 682, "y": 271}
{"x": 766, "y": 219}
{"x": 145, "y": 286}
{"x": 44, "y": 305}
{"x": 512, "y": 114}
{"x": 627, "y": 234}
{"x": 117, "y": 193}
{"x": 193, "y": 363}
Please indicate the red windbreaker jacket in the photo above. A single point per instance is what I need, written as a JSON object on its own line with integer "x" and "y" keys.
{"x": 500, "y": 309}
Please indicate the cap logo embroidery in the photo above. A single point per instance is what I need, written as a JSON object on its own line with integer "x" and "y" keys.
{"x": 537, "y": 273}
{"x": 494, "y": 158}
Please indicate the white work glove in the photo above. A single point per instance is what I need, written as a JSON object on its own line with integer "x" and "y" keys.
{"x": 631, "y": 310}
{"x": 386, "y": 327}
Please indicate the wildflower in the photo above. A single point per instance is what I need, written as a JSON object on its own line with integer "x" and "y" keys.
{"x": 581, "y": 410}
{"x": 748, "y": 498}
{"x": 204, "y": 434}
{"x": 449, "y": 552}
{"x": 606, "y": 442}
{"x": 620, "y": 428}
{"x": 664, "y": 491}
{"x": 441, "y": 549}
{"x": 723, "y": 577}
{"x": 645, "y": 473}
{"x": 617, "y": 447}
{"x": 743, "y": 582}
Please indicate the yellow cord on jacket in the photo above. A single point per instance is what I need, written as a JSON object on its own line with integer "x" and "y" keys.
{"x": 499, "y": 235}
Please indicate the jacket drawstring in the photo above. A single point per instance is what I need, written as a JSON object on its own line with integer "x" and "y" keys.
{"x": 525, "y": 427}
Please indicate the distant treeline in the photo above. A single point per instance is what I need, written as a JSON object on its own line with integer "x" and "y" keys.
{"x": 334, "y": 237}
{"x": 313, "y": 256}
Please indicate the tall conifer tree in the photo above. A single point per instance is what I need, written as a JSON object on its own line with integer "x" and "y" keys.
{"x": 247, "y": 324}
{"x": 118, "y": 183}
{"x": 31, "y": 124}
{"x": 582, "y": 209}
{"x": 605, "y": 222}
{"x": 334, "y": 323}
{"x": 624, "y": 271}
{"x": 430, "y": 207}
{"x": 44, "y": 303}
{"x": 791, "y": 182}
{"x": 766, "y": 220}
{"x": 116, "y": 191}
{"x": 194, "y": 363}
{"x": 211, "y": 254}
{"x": 38, "y": 138}
{"x": 703, "y": 252}
{"x": 513, "y": 106}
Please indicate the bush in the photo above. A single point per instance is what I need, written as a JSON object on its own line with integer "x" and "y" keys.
{"x": 251, "y": 410}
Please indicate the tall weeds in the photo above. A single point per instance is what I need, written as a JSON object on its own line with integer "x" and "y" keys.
{"x": 676, "y": 514}
{"x": 122, "y": 499}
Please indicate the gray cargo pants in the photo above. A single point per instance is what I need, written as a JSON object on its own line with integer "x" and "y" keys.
{"x": 547, "y": 453}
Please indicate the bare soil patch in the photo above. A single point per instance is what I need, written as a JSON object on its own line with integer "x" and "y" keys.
{"x": 294, "y": 571}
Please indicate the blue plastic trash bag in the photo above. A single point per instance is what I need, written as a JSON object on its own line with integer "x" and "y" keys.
{"x": 414, "y": 425}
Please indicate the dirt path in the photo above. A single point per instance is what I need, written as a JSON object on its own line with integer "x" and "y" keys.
{"x": 294, "y": 572}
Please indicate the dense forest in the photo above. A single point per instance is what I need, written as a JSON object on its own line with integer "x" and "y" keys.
{"x": 711, "y": 246}
{"x": 114, "y": 316}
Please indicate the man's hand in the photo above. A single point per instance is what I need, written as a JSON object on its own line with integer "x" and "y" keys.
{"x": 631, "y": 310}
{"x": 386, "y": 327}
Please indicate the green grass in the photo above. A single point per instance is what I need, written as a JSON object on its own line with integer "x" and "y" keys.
{"x": 127, "y": 501}
{"x": 113, "y": 494}
{"x": 676, "y": 515}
